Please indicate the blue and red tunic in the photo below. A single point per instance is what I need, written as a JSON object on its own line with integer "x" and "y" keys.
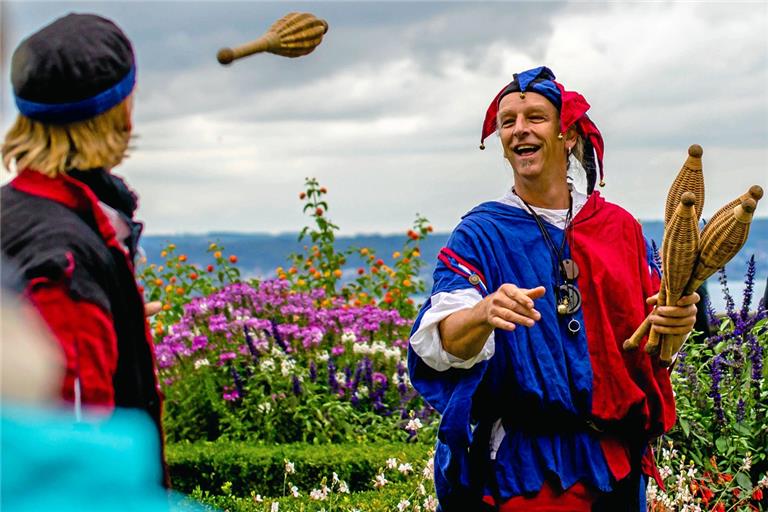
{"x": 575, "y": 407}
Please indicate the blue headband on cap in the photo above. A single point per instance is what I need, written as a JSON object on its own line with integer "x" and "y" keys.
{"x": 63, "y": 113}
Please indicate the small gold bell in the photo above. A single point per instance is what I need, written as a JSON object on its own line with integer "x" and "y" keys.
{"x": 522, "y": 95}
{"x": 602, "y": 183}
{"x": 562, "y": 309}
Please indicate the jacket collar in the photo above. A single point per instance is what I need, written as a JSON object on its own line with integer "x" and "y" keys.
{"x": 69, "y": 192}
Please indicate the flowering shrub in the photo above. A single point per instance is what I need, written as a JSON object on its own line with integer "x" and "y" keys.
{"x": 176, "y": 281}
{"x": 717, "y": 458}
{"x": 292, "y": 358}
{"x": 390, "y": 286}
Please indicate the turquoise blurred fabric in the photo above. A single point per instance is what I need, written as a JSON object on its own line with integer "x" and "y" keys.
{"x": 48, "y": 461}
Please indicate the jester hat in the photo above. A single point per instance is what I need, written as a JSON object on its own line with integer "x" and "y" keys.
{"x": 573, "y": 112}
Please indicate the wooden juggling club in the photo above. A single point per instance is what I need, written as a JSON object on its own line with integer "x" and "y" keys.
{"x": 716, "y": 248}
{"x": 294, "y": 35}
{"x": 679, "y": 251}
{"x": 689, "y": 179}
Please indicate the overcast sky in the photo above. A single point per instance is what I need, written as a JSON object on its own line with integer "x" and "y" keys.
{"x": 387, "y": 111}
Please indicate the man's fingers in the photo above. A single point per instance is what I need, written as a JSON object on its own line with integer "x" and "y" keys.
{"x": 517, "y": 318}
{"x": 652, "y": 300}
{"x": 535, "y": 293}
{"x": 689, "y": 300}
{"x": 152, "y": 308}
{"x": 671, "y": 321}
{"x": 675, "y": 311}
{"x": 498, "y": 323}
{"x": 663, "y": 329}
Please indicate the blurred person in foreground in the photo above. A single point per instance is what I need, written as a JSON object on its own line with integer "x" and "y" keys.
{"x": 51, "y": 461}
{"x": 519, "y": 346}
{"x": 67, "y": 222}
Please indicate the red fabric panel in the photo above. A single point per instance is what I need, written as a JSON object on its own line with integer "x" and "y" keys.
{"x": 614, "y": 278}
{"x": 87, "y": 338}
{"x": 578, "y": 498}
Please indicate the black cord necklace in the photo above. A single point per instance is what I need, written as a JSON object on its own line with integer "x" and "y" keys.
{"x": 565, "y": 269}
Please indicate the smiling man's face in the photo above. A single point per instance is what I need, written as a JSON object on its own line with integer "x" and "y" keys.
{"x": 529, "y": 129}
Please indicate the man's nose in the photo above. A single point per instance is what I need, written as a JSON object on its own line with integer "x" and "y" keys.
{"x": 520, "y": 127}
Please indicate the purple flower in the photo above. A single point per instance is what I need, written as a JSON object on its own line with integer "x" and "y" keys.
{"x": 740, "y": 411}
{"x": 312, "y": 371}
{"x": 716, "y": 372}
{"x": 226, "y": 356}
{"x": 749, "y": 288}
{"x": 199, "y": 342}
{"x": 296, "y": 386}
{"x": 337, "y": 350}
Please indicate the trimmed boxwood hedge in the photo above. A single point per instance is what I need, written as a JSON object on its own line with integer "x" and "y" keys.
{"x": 377, "y": 500}
{"x": 260, "y": 469}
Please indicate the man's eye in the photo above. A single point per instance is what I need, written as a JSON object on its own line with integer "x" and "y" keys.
{"x": 537, "y": 119}
{"x": 507, "y": 122}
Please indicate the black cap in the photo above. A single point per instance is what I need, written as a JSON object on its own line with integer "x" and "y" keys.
{"x": 75, "y": 68}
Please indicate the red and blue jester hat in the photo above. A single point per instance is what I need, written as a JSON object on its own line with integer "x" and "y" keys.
{"x": 573, "y": 112}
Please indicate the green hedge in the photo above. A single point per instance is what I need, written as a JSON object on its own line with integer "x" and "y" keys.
{"x": 261, "y": 469}
{"x": 380, "y": 500}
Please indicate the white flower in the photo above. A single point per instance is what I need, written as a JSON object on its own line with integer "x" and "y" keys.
{"x": 405, "y": 468}
{"x": 335, "y": 478}
{"x": 343, "y": 487}
{"x": 393, "y": 353}
{"x": 267, "y": 365}
{"x": 319, "y": 494}
{"x": 258, "y": 498}
{"x": 414, "y": 425}
{"x": 403, "y": 505}
{"x": 430, "y": 504}
{"x": 422, "y": 490}
{"x": 747, "y": 465}
{"x": 341, "y": 378}
{"x": 348, "y": 337}
{"x": 362, "y": 391}
{"x": 287, "y": 366}
{"x": 391, "y": 463}
{"x": 289, "y": 467}
{"x": 277, "y": 352}
{"x": 295, "y": 491}
{"x": 323, "y": 356}
{"x": 665, "y": 472}
{"x": 380, "y": 481}
{"x": 378, "y": 347}
{"x": 429, "y": 469}
{"x": 763, "y": 481}
{"x": 264, "y": 407}
{"x": 275, "y": 507}
{"x": 201, "y": 362}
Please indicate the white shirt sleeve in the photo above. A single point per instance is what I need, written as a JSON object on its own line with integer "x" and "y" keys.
{"x": 426, "y": 340}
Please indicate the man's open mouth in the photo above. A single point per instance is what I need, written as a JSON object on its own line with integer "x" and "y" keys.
{"x": 526, "y": 149}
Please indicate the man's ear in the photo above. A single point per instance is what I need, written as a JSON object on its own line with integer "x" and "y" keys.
{"x": 128, "y": 106}
{"x": 571, "y": 137}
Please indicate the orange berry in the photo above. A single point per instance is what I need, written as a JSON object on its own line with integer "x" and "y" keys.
{"x": 430, "y": 229}
{"x": 183, "y": 257}
{"x": 163, "y": 254}
{"x": 337, "y": 272}
{"x": 158, "y": 282}
{"x": 407, "y": 283}
{"x": 193, "y": 276}
{"x": 374, "y": 270}
{"x": 292, "y": 270}
{"x": 179, "y": 291}
{"x": 166, "y": 307}
{"x": 232, "y": 258}
{"x": 388, "y": 300}
{"x": 379, "y": 262}
{"x": 303, "y": 195}
{"x": 171, "y": 247}
{"x": 168, "y": 289}
{"x": 319, "y": 212}
{"x": 416, "y": 254}
{"x": 363, "y": 251}
{"x": 172, "y": 279}
{"x": 323, "y": 190}
{"x": 217, "y": 254}
{"x": 406, "y": 260}
{"x": 395, "y": 255}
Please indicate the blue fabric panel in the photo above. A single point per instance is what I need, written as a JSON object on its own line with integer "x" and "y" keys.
{"x": 536, "y": 374}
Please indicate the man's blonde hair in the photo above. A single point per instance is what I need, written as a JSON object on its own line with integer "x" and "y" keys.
{"x": 51, "y": 149}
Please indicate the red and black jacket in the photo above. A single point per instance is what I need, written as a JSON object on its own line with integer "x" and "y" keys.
{"x": 82, "y": 282}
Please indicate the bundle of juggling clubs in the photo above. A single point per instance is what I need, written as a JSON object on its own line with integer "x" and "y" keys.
{"x": 689, "y": 257}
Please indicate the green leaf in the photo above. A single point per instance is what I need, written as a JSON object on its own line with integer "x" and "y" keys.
{"x": 685, "y": 426}
{"x": 744, "y": 482}
{"x": 721, "y": 444}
